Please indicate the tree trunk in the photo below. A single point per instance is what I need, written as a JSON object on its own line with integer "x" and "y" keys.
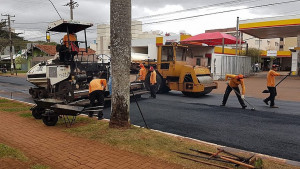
{"x": 120, "y": 34}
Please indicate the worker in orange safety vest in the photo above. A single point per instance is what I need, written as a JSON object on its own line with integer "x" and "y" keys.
{"x": 235, "y": 81}
{"x": 96, "y": 92}
{"x": 142, "y": 73}
{"x": 72, "y": 38}
{"x": 70, "y": 47}
{"x": 152, "y": 82}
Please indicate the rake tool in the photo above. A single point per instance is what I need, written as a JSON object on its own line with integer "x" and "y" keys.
{"x": 253, "y": 108}
{"x": 267, "y": 90}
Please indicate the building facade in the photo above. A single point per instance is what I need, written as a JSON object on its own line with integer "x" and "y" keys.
{"x": 280, "y": 46}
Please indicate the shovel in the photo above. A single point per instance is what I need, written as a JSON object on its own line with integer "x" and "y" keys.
{"x": 267, "y": 91}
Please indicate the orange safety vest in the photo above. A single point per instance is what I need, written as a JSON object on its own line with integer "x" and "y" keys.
{"x": 153, "y": 77}
{"x": 271, "y": 78}
{"x": 97, "y": 84}
{"x": 142, "y": 73}
{"x": 72, "y": 38}
{"x": 234, "y": 82}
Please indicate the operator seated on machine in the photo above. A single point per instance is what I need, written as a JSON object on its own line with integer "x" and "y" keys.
{"x": 71, "y": 42}
{"x": 235, "y": 81}
{"x": 96, "y": 92}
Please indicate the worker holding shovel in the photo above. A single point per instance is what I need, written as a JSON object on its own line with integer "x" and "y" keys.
{"x": 271, "y": 86}
{"x": 235, "y": 81}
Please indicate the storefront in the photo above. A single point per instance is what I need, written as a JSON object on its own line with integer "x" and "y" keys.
{"x": 281, "y": 58}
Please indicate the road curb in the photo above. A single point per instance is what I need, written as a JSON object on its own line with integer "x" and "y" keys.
{"x": 231, "y": 149}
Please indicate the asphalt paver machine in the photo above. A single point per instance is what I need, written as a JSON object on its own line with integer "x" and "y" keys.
{"x": 61, "y": 83}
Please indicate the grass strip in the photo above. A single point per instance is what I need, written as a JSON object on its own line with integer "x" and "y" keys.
{"x": 9, "y": 152}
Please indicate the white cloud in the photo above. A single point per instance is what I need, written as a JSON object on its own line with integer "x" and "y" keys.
{"x": 95, "y": 11}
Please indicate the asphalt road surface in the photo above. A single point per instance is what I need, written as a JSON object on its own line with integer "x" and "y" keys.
{"x": 274, "y": 132}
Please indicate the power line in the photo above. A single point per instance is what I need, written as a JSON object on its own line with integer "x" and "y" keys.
{"x": 55, "y": 9}
{"x": 220, "y": 12}
{"x": 29, "y": 23}
{"x": 192, "y": 9}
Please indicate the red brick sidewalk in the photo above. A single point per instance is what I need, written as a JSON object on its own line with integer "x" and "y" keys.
{"x": 52, "y": 147}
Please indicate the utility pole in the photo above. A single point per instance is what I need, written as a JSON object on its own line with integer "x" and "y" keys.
{"x": 72, "y": 6}
{"x": 12, "y": 67}
{"x": 236, "y": 45}
{"x": 120, "y": 34}
{"x": 237, "y": 35}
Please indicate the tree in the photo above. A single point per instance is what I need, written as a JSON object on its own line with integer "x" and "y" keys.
{"x": 254, "y": 53}
{"x": 120, "y": 33}
{"x": 4, "y": 38}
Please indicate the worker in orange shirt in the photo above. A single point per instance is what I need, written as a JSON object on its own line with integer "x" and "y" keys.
{"x": 72, "y": 38}
{"x": 72, "y": 41}
{"x": 142, "y": 73}
{"x": 271, "y": 86}
{"x": 96, "y": 92}
{"x": 152, "y": 82}
{"x": 235, "y": 81}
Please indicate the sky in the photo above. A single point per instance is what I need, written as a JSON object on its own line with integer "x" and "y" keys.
{"x": 33, "y": 16}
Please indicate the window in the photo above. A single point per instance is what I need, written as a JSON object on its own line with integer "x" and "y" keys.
{"x": 180, "y": 54}
{"x": 167, "y": 53}
{"x": 198, "y": 62}
{"x": 268, "y": 42}
{"x": 281, "y": 47}
{"x": 276, "y": 44}
{"x": 281, "y": 39}
{"x": 257, "y": 42}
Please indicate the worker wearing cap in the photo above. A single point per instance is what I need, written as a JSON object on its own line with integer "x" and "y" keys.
{"x": 142, "y": 73}
{"x": 271, "y": 86}
{"x": 152, "y": 82}
{"x": 96, "y": 92}
{"x": 235, "y": 81}
{"x": 72, "y": 38}
{"x": 73, "y": 44}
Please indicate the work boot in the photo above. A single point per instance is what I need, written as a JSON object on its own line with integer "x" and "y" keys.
{"x": 91, "y": 114}
{"x": 274, "y": 107}
{"x": 222, "y": 105}
{"x": 244, "y": 106}
{"x": 100, "y": 115}
{"x": 265, "y": 101}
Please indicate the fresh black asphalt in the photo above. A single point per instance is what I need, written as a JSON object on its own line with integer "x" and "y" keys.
{"x": 274, "y": 132}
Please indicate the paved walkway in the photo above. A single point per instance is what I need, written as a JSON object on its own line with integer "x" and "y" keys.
{"x": 52, "y": 147}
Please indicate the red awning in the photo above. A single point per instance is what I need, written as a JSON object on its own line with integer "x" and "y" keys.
{"x": 211, "y": 39}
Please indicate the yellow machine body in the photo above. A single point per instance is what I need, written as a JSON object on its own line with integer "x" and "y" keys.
{"x": 177, "y": 75}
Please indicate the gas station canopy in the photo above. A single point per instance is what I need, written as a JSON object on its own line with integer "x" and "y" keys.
{"x": 272, "y": 27}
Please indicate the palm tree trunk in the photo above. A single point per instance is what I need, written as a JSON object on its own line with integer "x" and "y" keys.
{"x": 120, "y": 34}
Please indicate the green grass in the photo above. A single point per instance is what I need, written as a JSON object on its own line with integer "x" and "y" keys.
{"x": 10, "y": 106}
{"x": 15, "y": 109}
{"x": 26, "y": 115}
{"x": 39, "y": 166}
{"x": 9, "y": 152}
{"x": 154, "y": 144}
{"x": 138, "y": 140}
{"x": 79, "y": 120}
{"x": 4, "y": 101}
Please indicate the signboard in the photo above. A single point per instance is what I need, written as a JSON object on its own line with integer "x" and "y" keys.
{"x": 272, "y": 53}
